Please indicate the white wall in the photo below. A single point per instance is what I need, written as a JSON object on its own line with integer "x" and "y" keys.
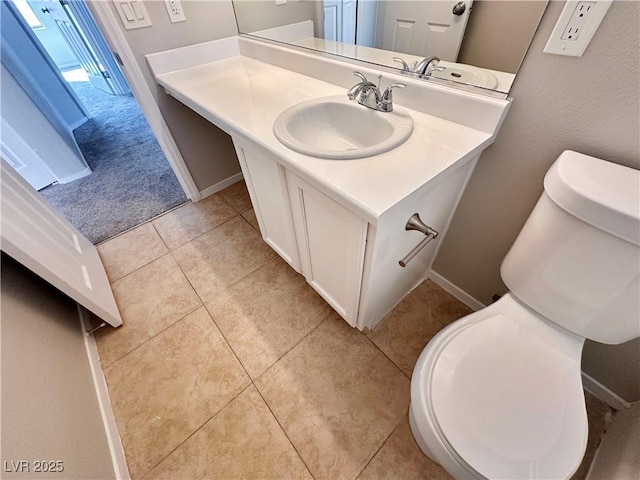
{"x": 49, "y": 406}
{"x": 254, "y": 15}
{"x": 498, "y": 33}
{"x": 588, "y": 104}
{"x": 207, "y": 150}
{"x": 60, "y": 154}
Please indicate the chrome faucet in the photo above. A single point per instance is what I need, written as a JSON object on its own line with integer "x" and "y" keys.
{"x": 427, "y": 65}
{"x": 368, "y": 94}
{"x": 423, "y": 68}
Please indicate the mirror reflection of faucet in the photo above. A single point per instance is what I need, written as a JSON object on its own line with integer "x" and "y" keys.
{"x": 368, "y": 94}
{"x": 421, "y": 69}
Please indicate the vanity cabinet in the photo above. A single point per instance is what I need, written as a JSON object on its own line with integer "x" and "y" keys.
{"x": 266, "y": 182}
{"x": 351, "y": 263}
{"x": 331, "y": 244}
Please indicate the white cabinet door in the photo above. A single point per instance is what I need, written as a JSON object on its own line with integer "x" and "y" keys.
{"x": 331, "y": 242}
{"x": 39, "y": 238}
{"x": 267, "y": 187}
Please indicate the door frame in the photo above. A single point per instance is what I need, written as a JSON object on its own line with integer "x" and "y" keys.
{"x": 110, "y": 27}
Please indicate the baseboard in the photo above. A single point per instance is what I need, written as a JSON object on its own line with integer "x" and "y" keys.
{"x": 602, "y": 392}
{"x": 456, "y": 291}
{"x": 221, "y": 185}
{"x": 79, "y": 123}
{"x": 108, "y": 418}
{"x": 76, "y": 176}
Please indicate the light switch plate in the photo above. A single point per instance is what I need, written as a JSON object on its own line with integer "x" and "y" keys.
{"x": 576, "y": 26}
{"x": 133, "y": 14}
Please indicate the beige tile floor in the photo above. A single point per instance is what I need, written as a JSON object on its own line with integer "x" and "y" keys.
{"x": 229, "y": 365}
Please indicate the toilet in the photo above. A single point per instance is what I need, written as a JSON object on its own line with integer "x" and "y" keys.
{"x": 498, "y": 394}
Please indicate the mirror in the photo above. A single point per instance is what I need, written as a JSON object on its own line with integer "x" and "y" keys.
{"x": 480, "y": 43}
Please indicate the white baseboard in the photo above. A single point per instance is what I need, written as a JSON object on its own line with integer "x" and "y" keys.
{"x": 221, "y": 185}
{"x": 111, "y": 428}
{"x": 602, "y": 392}
{"x": 82, "y": 173}
{"x": 79, "y": 123}
{"x": 456, "y": 291}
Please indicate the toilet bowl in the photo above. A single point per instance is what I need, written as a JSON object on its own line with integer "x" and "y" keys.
{"x": 494, "y": 396}
{"x": 498, "y": 393}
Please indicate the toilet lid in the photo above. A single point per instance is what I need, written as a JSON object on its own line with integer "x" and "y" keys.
{"x": 508, "y": 403}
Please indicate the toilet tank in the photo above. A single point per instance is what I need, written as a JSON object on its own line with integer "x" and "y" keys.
{"x": 576, "y": 261}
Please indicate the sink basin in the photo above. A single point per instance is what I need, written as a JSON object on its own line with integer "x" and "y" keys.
{"x": 338, "y": 128}
{"x": 467, "y": 74}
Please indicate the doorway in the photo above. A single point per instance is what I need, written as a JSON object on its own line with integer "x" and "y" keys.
{"x": 131, "y": 180}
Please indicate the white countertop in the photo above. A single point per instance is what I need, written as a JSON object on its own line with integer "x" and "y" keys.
{"x": 243, "y": 97}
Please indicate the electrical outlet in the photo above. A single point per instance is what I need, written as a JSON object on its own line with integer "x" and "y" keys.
{"x": 577, "y": 21}
{"x": 175, "y": 11}
{"x": 576, "y": 26}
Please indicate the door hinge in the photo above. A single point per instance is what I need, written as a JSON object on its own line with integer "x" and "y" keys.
{"x": 118, "y": 59}
{"x": 105, "y": 75}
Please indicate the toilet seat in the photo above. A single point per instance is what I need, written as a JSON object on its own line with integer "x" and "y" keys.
{"x": 477, "y": 378}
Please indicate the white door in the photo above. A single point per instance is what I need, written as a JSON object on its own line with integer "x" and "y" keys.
{"x": 24, "y": 159}
{"x": 422, "y": 28}
{"x": 77, "y": 42}
{"x": 35, "y": 235}
{"x": 340, "y": 20}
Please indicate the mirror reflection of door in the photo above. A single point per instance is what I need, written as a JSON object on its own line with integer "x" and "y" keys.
{"x": 423, "y": 28}
{"x": 62, "y": 38}
{"x": 340, "y": 20}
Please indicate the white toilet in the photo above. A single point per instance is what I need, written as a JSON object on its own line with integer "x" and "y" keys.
{"x": 498, "y": 393}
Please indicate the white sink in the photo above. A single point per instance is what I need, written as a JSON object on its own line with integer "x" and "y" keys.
{"x": 338, "y": 128}
{"x": 467, "y": 74}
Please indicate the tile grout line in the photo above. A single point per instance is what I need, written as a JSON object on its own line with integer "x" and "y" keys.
{"x": 240, "y": 279}
{"x": 111, "y": 282}
{"x": 151, "y": 337}
{"x": 169, "y": 249}
{"x": 213, "y": 320}
{"x": 386, "y": 356}
{"x": 294, "y": 346}
{"x": 378, "y": 449}
{"x": 159, "y": 235}
{"x": 267, "y": 403}
{"x": 201, "y": 234}
{"x": 282, "y": 428}
{"x": 198, "y": 429}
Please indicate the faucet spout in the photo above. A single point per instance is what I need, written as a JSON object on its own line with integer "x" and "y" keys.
{"x": 426, "y": 65}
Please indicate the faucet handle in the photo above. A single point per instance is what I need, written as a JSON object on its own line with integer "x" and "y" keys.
{"x": 405, "y": 65}
{"x": 361, "y": 75}
{"x": 387, "y": 97}
{"x": 387, "y": 93}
